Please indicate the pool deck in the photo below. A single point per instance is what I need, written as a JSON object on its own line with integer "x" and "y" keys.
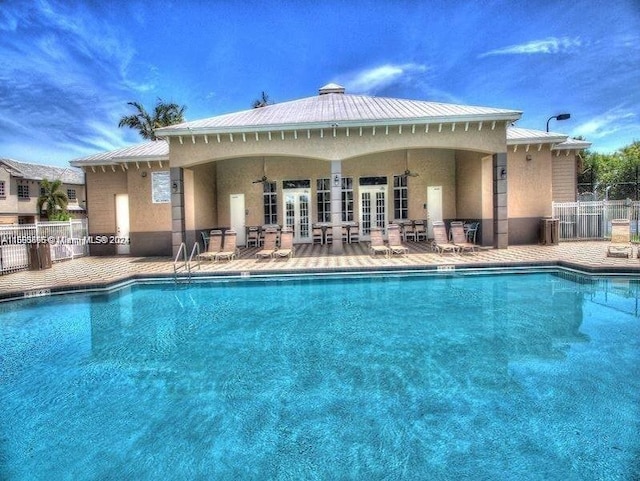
{"x": 95, "y": 272}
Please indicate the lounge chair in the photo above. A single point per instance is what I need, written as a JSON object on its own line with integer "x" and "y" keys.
{"x": 620, "y": 245}
{"x": 230, "y": 246}
{"x": 377, "y": 243}
{"x": 269, "y": 245}
{"x": 286, "y": 244}
{"x": 394, "y": 241}
{"x": 460, "y": 239}
{"x": 214, "y": 246}
{"x": 441, "y": 242}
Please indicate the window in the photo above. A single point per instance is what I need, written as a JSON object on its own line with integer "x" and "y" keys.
{"x": 323, "y": 196}
{"x": 71, "y": 194}
{"x": 23, "y": 191}
{"x": 400, "y": 197}
{"x": 2, "y": 191}
{"x": 270, "y": 202}
{"x": 347, "y": 199}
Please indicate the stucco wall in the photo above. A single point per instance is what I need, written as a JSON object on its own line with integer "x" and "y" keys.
{"x": 101, "y": 190}
{"x": 340, "y": 146}
{"x": 529, "y": 183}
{"x": 469, "y": 191}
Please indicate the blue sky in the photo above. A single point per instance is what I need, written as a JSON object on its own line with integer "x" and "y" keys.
{"x": 68, "y": 69}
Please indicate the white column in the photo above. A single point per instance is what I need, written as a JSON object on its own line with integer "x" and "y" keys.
{"x": 336, "y": 206}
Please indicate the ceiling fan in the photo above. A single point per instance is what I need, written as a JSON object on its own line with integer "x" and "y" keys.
{"x": 407, "y": 172}
{"x": 264, "y": 179}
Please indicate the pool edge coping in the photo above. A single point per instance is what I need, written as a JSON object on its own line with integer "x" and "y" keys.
{"x": 442, "y": 269}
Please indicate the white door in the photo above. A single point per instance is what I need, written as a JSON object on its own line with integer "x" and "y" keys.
{"x": 373, "y": 208}
{"x": 297, "y": 214}
{"x": 237, "y": 216}
{"x": 434, "y": 206}
{"x": 122, "y": 224}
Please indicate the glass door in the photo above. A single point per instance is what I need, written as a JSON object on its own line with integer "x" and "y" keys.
{"x": 297, "y": 214}
{"x": 373, "y": 208}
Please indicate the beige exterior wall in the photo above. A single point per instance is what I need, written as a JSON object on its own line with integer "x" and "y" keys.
{"x": 101, "y": 190}
{"x": 564, "y": 184}
{"x": 529, "y": 183}
{"x": 145, "y": 216}
{"x": 470, "y": 192}
{"x": 326, "y": 146}
{"x": 204, "y": 192}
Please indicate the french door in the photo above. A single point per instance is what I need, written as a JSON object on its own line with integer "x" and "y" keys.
{"x": 297, "y": 214}
{"x": 373, "y": 208}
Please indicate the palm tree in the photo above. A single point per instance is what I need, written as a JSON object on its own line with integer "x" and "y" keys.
{"x": 263, "y": 101}
{"x": 55, "y": 199}
{"x": 164, "y": 114}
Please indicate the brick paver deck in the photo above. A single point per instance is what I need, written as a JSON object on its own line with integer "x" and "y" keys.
{"x": 104, "y": 271}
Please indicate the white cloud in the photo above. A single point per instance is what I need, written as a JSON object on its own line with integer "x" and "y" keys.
{"x": 606, "y": 124}
{"x": 551, "y": 45}
{"x": 377, "y": 78}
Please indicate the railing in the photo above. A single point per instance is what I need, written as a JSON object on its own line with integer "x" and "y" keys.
{"x": 66, "y": 240}
{"x": 592, "y": 219}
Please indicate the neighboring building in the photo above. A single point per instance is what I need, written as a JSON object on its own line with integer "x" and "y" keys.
{"x": 331, "y": 158}
{"x": 20, "y": 190}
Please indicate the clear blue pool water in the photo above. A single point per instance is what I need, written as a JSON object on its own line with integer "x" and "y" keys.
{"x": 497, "y": 377}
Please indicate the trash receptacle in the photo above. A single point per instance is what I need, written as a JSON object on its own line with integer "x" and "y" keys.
{"x": 549, "y": 231}
{"x": 39, "y": 256}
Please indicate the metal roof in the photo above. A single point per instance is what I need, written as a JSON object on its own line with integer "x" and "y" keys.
{"x": 25, "y": 170}
{"x": 147, "y": 151}
{"x": 520, "y": 136}
{"x": 339, "y": 110}
{"x": 572, "y": 144}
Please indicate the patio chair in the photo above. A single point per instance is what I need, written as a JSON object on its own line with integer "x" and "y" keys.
{"x": 394, "y": 240}
{"x": 253, "y": 236}
{"x": 441, "y": 242}
{"x": 354, "y": 233}
{"x": 420, "y": 230}
{"x": 269, "y": 245}
{"x": 409, "y": 230}
{"x": 459, "y": 238}
{"x": 286, "y": 248}
{"x": 214, "y": 246}
{"x": 230, "y": 248}
{"x": 620, "y": 245}
{"x": 377, "y": 243}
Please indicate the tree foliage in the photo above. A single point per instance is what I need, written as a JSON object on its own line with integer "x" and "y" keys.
{"x": 52, "y": 199}
{"x": 262, "y": 101}
{"x": 164, "y": 114}
{"x": 612, "y": 176}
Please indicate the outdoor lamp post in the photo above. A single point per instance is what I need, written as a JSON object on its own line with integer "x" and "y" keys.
{"x": 558, "y": 117}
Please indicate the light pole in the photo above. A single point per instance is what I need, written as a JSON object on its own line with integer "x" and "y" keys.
{"x": 558, "y": 117}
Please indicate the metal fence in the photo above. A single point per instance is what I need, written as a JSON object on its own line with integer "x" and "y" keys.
{"x": 592, "y": 219}
{"x": 65, "y": 240}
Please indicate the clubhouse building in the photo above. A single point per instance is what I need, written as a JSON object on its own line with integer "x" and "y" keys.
{"x": 331, "y": 159}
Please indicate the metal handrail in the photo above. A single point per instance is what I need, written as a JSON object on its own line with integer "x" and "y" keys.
{"x": 196, "y": 251}
{"x": 179, "y": 266}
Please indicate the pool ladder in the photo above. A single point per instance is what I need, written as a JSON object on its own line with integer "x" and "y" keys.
{"x": 182, "y": 266}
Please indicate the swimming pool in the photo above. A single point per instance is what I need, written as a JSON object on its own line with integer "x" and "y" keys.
{"x": 512, "y": 376}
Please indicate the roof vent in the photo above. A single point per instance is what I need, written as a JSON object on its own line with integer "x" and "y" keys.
{"x": 331, "y": 89}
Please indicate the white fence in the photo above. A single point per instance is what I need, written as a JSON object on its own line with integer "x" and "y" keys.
{"x": 65, "y": 240}
{"x": 592, "y": 220}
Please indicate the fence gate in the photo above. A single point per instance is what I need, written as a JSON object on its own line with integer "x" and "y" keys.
{"x": 592, "y": 219}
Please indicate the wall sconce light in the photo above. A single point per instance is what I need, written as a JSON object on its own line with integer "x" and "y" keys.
{"x": 175, "y": 187}
{"x": 503, "y": 173}
{"x": 143, "y": 173}
{"x": 529, "y": 157}
{"x": 336, "y": 180}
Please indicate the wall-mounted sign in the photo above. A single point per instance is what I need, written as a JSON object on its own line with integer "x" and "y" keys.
{"x": 160, "y": 187}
